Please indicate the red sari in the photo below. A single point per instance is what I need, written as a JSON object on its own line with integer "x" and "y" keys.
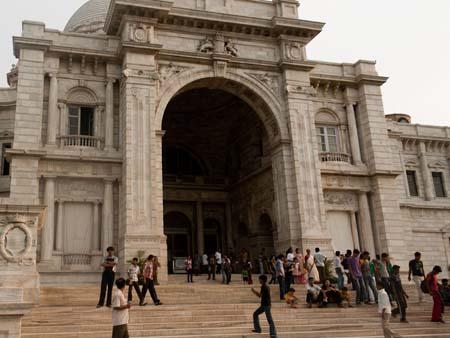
{"x": 438, "y": 304}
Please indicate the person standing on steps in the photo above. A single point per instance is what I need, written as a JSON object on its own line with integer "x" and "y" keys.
{"x": 433, "y": 287}
{"x": 320, "y": 259}
{"x": 109, "y": 269}
{"x": 417, "y": 272}
{"x": 120, "y": 316}
{"x": 218, "y": 256}
{"x": 265, "y": 307}
{"x": 133, "y": 276}
{"x": 339, "y": 270}
{"x": 189, "y": 270}
{"x": 204, "y": 263}
{"x": 279, "y": 268}
{"x": 156, "y": 266}
{"x": 399, "y": 294}
{"x": 149, "y": 282}
{"x": 369, "y": 282}
{"x": 226, "y": 268}
{"x": 212, "y": 268}
{"x": 357, "y": 276}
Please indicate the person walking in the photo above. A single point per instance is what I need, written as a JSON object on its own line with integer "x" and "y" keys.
{"x": 385, "y": 274}
{"x": 356, "y": 273}
{"x": 272, "y": 269}
{"x": 212, "y": 268}
{"x": 109, "y": 265}
{"x": 218, "y": 256}
{"x": 149, "y": 282}
{"x": 433, "y": 287}
{"x": 204, "y": 268}
{"x": 338, "y": 268}
{"x": 288, "y": 275}
{"x": 399, "y": 294}
{"x": 133, "y": 276}
{"x": 279, "y": 268}
{"x": 417, "y": 272}
{"x": 320, "y": 259}
{"x": 156, "y": 266}
{"x": 226, "y": 268}
{"x": 385, "y": 310}
{"x": 120, "y": 316}
{"x": 265, "y": 307}
{"x": 189, "y": 270}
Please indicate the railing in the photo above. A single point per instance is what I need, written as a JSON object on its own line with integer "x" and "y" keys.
{"x": 77, "y": 259}
{"x": 334, "y": 157}
{"x": 80, "y": 141}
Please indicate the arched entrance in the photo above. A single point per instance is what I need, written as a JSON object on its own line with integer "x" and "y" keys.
{"x": 177, "y": 228}
{"x": 217, "y": 164}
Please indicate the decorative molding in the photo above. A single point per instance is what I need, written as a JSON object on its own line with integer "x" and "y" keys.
{"x": 437, "y": 165}
{"x": 142, "y": 33}
{"x": 294, "y": 51}
{"x": 219, "y": 45}
{"x": 220, "y": 68}
{"x": 307, "y": 90}
{"x": 271, "y": 81}
{"x": 167, "y": 71}
{"x": 340, "y": 198}
{"x": 13, "y": 249}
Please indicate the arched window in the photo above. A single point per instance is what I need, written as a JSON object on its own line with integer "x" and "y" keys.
{"x": 180, "y": 162}
{"x": 81, "y": 104}
{"x": 327, "y": 131}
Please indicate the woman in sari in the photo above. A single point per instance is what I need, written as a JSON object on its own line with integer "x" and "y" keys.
{"x": 310, "y": 266}
{"x": 438, "y": 304}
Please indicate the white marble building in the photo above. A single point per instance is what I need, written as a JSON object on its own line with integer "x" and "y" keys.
{"x": 180, "y": 126}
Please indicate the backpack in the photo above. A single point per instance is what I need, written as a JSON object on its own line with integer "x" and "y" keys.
{"x": 424, "y": 286}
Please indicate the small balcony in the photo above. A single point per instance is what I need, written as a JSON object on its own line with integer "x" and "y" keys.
{"x": 334, "y": 157}
{"x": 81, "y": 141}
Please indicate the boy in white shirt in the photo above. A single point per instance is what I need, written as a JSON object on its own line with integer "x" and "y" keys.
{"x": 120, "y": 311}
{"x": 385, "y": 310}
{"x": 133, "y": 276}
{"x": 313, "y": 292}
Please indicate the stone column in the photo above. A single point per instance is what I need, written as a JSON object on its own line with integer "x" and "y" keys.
{"x": 96, "y": 227}
{"x": 367, "y": 237}
{"x": 229, "y": 227}
{"x": 107, "y": 225}
{"x": 353, "y": 133}
{"x": 49, "y": 227}
{"x": 200, "y": 230}
{"x": 354, "y": 230}
{"x": 109, "y": 118}
{"x": 60, "y": 227}
{"x": 426, "y": 175}
{"x": 52, "y": 117}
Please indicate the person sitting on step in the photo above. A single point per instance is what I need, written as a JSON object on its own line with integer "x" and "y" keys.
{"x": 444, "y": 289}
{"x": 346, "y": 298}
{"x": 291, "y": 299}
{"x": 329, "y": 294}
{"x": 312, "y": 292}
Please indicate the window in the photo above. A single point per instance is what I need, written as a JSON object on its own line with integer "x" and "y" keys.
{"x": 438, "y": 183}
{"x": 81, "y": 121}
{"x": 5, "y": 163}
{"x": 412, "y": 183}
{"x": 327, "y": 138}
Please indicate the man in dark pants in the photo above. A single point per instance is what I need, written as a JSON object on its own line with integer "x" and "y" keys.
{"x": 109, "y": 267}
{"x": 279, "y": 268}
{"x": 149, "y": 283}
{"x": 264, "y": 294}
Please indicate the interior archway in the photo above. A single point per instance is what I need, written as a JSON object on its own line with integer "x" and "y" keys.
{"x": 220, "y": 170}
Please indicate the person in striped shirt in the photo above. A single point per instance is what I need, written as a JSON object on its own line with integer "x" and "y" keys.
{"x": 149, "y": 282}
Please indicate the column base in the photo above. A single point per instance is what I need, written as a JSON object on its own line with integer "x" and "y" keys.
{"x": 131, "y": 245}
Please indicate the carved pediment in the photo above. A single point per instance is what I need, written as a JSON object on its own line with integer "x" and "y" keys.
{"x": 437, "y": 165}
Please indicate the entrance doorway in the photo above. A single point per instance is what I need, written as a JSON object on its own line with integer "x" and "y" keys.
{"x": 177, "y": 228}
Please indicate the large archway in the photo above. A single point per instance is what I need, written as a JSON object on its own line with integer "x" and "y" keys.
{"x": 217, "y": 166}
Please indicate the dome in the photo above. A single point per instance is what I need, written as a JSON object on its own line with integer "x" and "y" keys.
{"x": 89, "y": 18}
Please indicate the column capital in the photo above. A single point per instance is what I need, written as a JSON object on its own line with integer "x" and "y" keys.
{"x": 109, "y": 180}
{"x": 52, "y": 75}
{"x": 49, "y": 177}
{"x": 110, "y": 80}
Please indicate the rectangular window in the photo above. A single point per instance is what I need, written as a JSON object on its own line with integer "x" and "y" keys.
{"x": 412, "y": 183}
{"x": 327, "y": 139}
{"x": 81, "y": 121}
{"x": 438, "y": 183}
{"x": 5, "y": 163}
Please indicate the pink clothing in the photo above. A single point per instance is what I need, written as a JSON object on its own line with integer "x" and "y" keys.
{"x": 188, "y": 264}
{"x": 148, "y": 270}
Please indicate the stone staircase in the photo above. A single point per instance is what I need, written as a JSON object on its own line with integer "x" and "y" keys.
{"x": 208, "y": 309}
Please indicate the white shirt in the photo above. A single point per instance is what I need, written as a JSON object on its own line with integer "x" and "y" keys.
{"x": 205, "y": 259}
{"x": 133, "y": 273}
{"x": 218, "y": 257}
{"x": 119, "y": 317}
{"x": 383, "y": 302}
{"x": 320, "y": 259}
{"x": 290, "y": 257}
{"x": 313, "y": 289}
{"x": 337, "y": 263}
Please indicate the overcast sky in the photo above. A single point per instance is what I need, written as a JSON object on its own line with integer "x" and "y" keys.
{"x": 410, "y": 39}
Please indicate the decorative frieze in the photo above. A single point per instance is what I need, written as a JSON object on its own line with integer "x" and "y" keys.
{"x": 343, "y": 198}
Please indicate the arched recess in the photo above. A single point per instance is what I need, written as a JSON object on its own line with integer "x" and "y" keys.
{"x": 178, "y": 229}
{"x": 81, "y": 95}
{"x": 258, "y": 97}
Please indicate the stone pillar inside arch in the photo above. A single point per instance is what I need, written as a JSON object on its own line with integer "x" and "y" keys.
{"x": 141, "y": 219}
{"x": 306, "y": 194}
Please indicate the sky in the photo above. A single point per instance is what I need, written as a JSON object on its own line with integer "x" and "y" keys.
{"x": 409, "y": 39}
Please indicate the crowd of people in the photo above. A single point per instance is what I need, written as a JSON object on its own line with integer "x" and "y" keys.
{"x": 327, "y": 281}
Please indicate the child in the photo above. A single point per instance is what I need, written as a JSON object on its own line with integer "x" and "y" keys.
{"x": 120, "y": 311}
{"x": 109, "y": 269}
{"x": 133, "y": 276}
{"x": 346, "y": 296}
{"x": 291, "y": 299}
{"x": 264, "y": 294}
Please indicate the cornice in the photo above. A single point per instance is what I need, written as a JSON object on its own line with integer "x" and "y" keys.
{"x": 371, "y": 79}
{"x": 20, "y": 42}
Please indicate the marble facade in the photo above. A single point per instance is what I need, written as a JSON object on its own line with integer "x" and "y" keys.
{"x": 82, "y": 135}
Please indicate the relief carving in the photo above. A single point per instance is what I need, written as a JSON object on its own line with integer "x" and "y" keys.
{"x": 141, "y": 33}
{"x": 269, "y": 80}
{"x": 294, "y": 51}
{"x": 219, "y": 44}
{"x": 167, "y": 71}
{"x": 16, "y": 239}
{"x": 340, "y": 198}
